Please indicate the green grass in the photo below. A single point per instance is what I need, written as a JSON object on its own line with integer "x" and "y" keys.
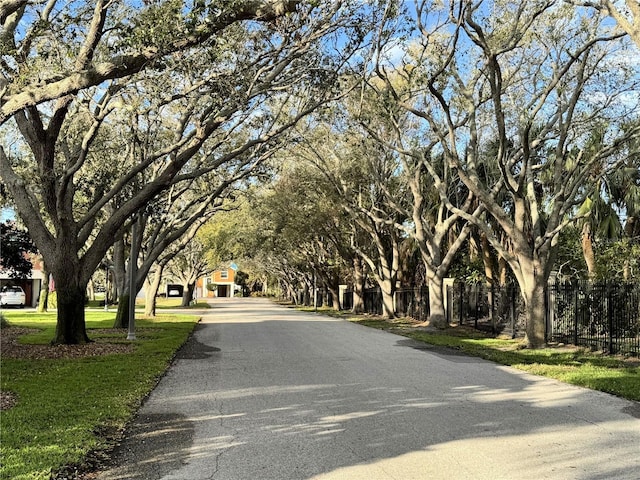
{"x": 576, "y": 366}
{"x": 161, "y": 303}
{"x": 70, "y": 407}
{"x": 173, "y": 302}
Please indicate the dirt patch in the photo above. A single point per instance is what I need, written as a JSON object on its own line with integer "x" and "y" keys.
{"x": 7, "y": 400}
{"x": 10, "y": 347}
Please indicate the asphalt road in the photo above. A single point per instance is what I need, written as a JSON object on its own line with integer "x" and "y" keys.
{"x": 265, "y": 392}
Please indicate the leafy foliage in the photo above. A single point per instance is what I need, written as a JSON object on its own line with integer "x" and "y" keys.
{"x": 618, "y": 260}
{"x": 16, "y": 248}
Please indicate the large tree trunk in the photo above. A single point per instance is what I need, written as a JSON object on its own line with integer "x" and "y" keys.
{"x": 335, "y": 294}
{"x": 533, "y": 285}
{"x": 70, "y": 295}
{"x": 325, "y": 294}
{"x": 437, "y": 314}
{"x": 306, "y": 295}
{"x": 502, "y": 271}
{"x": 385, "y": 276}
{"x": 387, "y": 289}
{"x": 119, "y": 269}
{"x": 187, "y": 293}
{"x": 150, "y": 301}
{"x": 534, "y": 297}
{"x": 151, "y": 292}
{"x": 112, "y": 289}
{"x": 435, "y": 266}
{"x": 358, "y": 285}
{"x": 291, "y": 292}
{"x": 122, "y": 315}
{"x": 132, "y": 279}
{"x": 70, "y": 328}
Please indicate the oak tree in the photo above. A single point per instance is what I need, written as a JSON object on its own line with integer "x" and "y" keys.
{"x": 75, "y": 75}
{"x": 536, "y": 80}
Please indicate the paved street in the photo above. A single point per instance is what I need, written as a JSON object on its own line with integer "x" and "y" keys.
{"x": 265, "y": 392}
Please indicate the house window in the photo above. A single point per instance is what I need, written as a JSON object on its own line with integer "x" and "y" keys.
{"x": 224, "y": 275}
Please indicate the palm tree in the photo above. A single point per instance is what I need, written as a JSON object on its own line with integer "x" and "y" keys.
{"x": 599, "y": 221}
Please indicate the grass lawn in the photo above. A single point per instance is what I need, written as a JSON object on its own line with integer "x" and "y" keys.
{"x": 172, "y": 302}
{"x": 577, "y": 366}
{"x": 161, "y": 303}
{"x": 68, "y": 407}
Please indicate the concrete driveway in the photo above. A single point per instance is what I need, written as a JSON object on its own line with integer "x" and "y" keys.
{"x": 265, "y": 392}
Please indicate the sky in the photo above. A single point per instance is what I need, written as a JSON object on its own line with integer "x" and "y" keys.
{"x": 7, "y": 214}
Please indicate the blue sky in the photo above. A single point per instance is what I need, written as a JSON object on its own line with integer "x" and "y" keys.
{"x": 7, "y": 214}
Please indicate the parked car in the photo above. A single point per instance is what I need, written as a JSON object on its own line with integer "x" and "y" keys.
{"x": 12, "y": 295}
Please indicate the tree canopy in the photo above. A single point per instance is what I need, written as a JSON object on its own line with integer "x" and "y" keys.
{"x": 502, "y": 120}
{"x": 386, "y": 134}
{"x": 112, "y": 104}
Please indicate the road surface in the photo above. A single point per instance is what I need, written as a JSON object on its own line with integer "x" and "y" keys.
{"x": 265, "y": 392}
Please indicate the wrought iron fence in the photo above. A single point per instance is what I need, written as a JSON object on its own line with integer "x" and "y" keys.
{"x": 496, "y": 310}
{"x": 499, "y": 310}
{"x": 601, "y": 316}
{"x": 372, "y": 301}
{"x": 323, "y": 297}
{"x": 412, "y": 302}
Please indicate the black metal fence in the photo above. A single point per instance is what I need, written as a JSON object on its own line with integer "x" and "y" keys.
{"x": 409, "y": 302}
{"x": 600, "y": 316}
{"x": 372, "y": 301}
{"x": 323, "y": 298}
{"x": 499, "y": 310}
{"x": 412, "y": 302}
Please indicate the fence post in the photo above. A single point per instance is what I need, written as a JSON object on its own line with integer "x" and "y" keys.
{"x": 492, "y": 308}
{"x": 475, "y": 301}
{"x": 461, "y": 300}
{"x": 512, "y": 310}
{"x": 546, "y": 311}
{"x": 609, "y": 317}
{"x": 575, "y": 316}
